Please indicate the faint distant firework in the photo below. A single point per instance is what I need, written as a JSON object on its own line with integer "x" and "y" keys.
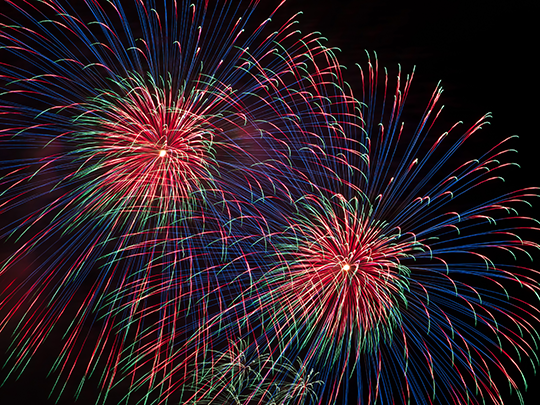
{"x": 248, "y": 374}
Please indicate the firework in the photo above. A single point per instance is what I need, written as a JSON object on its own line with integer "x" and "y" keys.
{"x": 178, "y": 179}
{"x": 138, "y": 147}
{"x": 244, "y": 374}
{"x": 389, "y": 274}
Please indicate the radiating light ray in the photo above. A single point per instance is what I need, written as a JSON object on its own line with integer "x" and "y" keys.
{"x": 178, "y": 179}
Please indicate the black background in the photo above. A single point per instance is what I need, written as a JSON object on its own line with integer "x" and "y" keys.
{"x": 485, "y": 54}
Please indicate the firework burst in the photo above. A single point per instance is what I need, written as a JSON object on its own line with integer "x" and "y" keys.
{"x": 244, "y": 374}
{"x": 388, "y": 274}
{"x": 345, "y": 267}
{"x": 148, "y": 145}
{"x": 137, "y": 150}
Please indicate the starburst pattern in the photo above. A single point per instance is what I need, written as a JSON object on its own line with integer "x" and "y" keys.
{"x": 342, "y": 259}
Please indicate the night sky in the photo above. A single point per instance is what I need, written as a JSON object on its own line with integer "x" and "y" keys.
{"x": 485, "y": 56}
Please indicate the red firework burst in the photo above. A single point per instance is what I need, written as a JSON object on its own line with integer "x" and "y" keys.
{"x": 152, "y": 143}
{"x": 344, "y": 273}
